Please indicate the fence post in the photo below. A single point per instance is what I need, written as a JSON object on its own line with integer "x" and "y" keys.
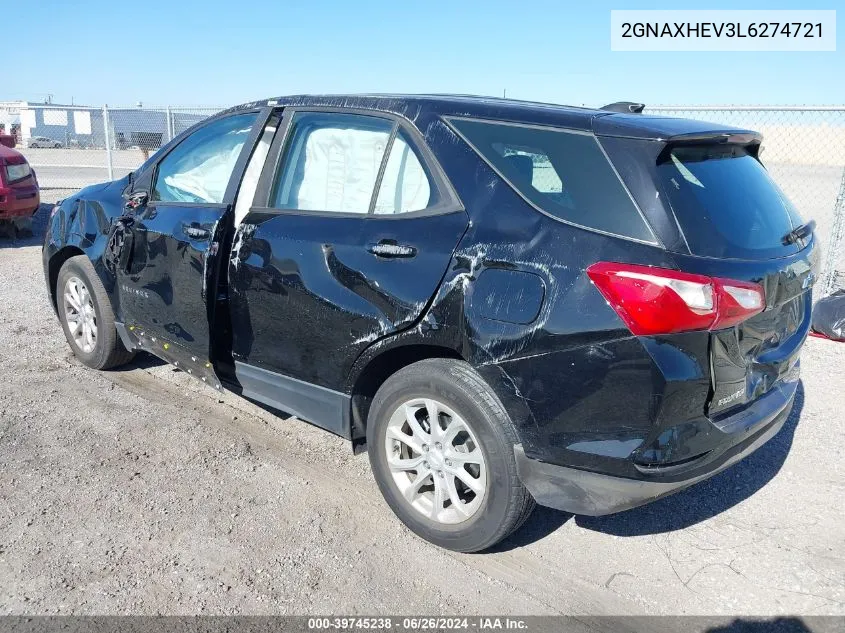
{"x": 107, "y": 135}
{"x": 169, "y": 125}
{"x": 837, "y": 234}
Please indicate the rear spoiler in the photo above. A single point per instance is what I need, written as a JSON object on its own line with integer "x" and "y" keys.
{"x": 628, "y": 107}
{"x": 745, "y": 138}
{"x": 668, "y": 129}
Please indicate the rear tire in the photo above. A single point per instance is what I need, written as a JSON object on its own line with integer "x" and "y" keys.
{"x": 456, "y": 489}
{"x": 87, "y": 317}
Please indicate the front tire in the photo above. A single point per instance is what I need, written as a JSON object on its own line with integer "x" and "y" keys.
{"x": 87, "y": 317}
{"x": 441, "y": 450}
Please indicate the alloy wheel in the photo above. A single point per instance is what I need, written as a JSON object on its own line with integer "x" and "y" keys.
{"x": 80, "y": 315}
{"x": 435, "y": 461}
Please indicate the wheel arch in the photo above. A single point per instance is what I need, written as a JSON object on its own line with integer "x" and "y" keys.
{"x": 55, "y": 265}
{"x": 379, "y": 368}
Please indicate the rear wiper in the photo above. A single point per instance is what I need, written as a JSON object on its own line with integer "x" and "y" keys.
{"x": 799, "y": 233}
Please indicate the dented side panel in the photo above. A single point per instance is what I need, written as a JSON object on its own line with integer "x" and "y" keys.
{"x": 171, "y": 272}
{"x": 308, "y": 295}
{"x": 580, "y": 388}
{"x": 83, "y": 223}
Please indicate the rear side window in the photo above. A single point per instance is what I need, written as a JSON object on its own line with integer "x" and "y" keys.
{"x": 405, "y": 186}
{"x": 726, "y": 203}
{"x": 334, "y": 162}
{"x": 564, "y": 174}
{"x": 331, "y": 162}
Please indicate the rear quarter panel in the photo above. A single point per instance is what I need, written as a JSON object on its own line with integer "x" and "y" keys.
{"x": 578, "y": 386}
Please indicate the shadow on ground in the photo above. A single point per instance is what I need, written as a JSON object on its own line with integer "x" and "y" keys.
{"x": 683, "y": 509}
{"x": 142, "y": 360}
{"x": 10, "y": 239}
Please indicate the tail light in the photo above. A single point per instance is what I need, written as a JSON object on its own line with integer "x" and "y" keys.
{"x": 660, "y": 301}
{"x": 17, "y": 172}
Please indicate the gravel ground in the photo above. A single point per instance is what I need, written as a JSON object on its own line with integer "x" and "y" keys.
{"x": 143, "y": 491}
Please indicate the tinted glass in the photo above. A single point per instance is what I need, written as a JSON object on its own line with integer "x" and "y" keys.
{"x": 405, "y": 185}
{"x": 331, "y": 162}
{"x": 726, "y": 203}
{"x": 199, "y": 168}
{"x": 563, "y": 173}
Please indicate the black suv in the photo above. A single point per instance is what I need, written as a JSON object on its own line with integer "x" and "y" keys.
{"x": 505, "y": 302}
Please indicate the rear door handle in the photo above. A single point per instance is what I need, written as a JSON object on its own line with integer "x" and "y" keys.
{"x": 390, "y": 249}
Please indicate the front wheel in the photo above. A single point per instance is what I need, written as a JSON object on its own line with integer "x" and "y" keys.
{"x": 441, "y": 449}
{"x": 87, "y": 317}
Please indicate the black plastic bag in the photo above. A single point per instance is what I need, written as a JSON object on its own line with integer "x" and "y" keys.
{"x": 829, "y": 316}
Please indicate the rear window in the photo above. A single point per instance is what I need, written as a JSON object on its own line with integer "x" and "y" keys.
{"x": 563, "y": 173}
{"x": 726, "y": 203}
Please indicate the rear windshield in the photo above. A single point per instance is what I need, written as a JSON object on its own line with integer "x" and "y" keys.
{"x": 563, "y": 173}
{"x": 726, "y": 203}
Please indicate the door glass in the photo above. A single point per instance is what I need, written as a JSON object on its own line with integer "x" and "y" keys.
{"x": 249, "y": 184}
{"x": 405, "y": 185}
{"x": 331, "y": 162}
{"x": 199, "y": 168}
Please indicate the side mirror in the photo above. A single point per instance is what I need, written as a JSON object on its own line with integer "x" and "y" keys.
{"x": 136, "y": 200}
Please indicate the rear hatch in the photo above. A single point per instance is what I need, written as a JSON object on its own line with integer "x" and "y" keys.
{"x": 716, "y": 208}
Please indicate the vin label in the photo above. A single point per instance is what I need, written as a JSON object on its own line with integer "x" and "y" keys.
{"x": 723, "y": 30}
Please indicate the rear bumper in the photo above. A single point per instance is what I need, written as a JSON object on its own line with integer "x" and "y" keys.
{"x": 596, "y": 494}
{"x": 17, "y": 203}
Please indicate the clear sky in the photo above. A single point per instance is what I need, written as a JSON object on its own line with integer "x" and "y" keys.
{"x": 221, "y": 52}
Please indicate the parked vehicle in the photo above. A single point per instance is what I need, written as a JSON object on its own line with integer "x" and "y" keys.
{"x": 8, "y": 140}
{"x": 42, "y": 141}
{"x": 504, "y": 302}
{"x": 19, "y": 196}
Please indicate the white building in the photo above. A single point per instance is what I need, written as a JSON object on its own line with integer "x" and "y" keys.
{"x": 82, "y": 126}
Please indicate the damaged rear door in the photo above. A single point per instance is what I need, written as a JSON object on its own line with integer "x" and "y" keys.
{"x": 164, "y": 249}
{"x": 352, "y": 229}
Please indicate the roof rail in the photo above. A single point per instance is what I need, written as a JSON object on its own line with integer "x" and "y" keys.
{"x": 625, "y": 106}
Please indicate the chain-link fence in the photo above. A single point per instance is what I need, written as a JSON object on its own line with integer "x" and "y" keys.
{"x": 71, "y": 147}
{"x": 803, "y": 148}
{"x": 804, "y": 151}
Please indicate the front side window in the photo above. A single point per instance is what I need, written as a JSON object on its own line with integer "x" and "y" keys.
{"x": 199, "y": 168}
{"x": 563, "y": 173}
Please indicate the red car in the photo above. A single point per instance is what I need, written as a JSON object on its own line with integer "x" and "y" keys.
{"x": 7, "y": 139}
{"x": 19, "y": 198}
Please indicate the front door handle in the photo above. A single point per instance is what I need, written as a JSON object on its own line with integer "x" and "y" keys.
{"x": 195, "y": 232}
{"x": 390, "y": 249}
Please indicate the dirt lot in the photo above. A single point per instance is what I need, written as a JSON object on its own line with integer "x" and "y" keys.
{"x": 142, "y": 491}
